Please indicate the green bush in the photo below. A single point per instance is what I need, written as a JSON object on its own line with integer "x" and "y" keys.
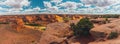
{"x": 43, "y": 28}
{"x": 107, "y": 20}
{"x": 82, "y": 27}
{"x": 54, "y": 43}
{"x": 113, "y": 35}
{"x": 4, "y": 23}
{"x": 111, "y": 16}
{"x": 66, "y": 19}
{"x": 33, "y": 24}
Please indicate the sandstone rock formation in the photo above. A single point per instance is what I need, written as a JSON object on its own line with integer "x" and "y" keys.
{"x": 55, "y": 32}
{"x": 8, "y": 36}
{"x": 102, "y": 31}
{"x": 17, "y": 24}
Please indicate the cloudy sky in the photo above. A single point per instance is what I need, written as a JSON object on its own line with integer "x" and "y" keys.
{"x": 60, "y": 6}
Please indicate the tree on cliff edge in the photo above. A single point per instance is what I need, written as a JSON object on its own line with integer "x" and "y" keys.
{"x": 82, "y": 28}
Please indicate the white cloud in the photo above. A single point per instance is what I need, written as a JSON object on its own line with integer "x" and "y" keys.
{"x": 47, "y": 4}
{"x": 56, "y": 1}
{"x": 83, "y": 10}
{"x": 25, "y": 3}
{"x": 69, "y": 5}
{"x": 36, "y": 9}
{"x": 79, "y": 5}
{"x": 53, "y": 9}
{"x": 72, "y": 7}
{"x": 100, "y": 3}
{"x": 117, "y": 7}
{"x": 16, "y": 5}
{"x": 114, "y": 9}
{"x": 1, "y": 8}
{"x": 28, "y": 10}
{"x": 15, "y": 9}
{"x": 101, "y": 6}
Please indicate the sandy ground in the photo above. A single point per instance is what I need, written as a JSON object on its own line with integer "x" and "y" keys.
{"x": 8, "y": 36}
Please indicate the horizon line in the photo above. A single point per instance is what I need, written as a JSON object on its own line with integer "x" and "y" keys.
{"x": 61, "y": 13}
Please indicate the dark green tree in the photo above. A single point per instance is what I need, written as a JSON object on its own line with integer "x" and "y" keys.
{"x": 82, "y": 27}
{"x": 113, "y": 35}
{"x": 107, "y": 20}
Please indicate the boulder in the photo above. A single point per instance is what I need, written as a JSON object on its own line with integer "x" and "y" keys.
{"x": 55, "y": 33}
{"x": 102, "y": 31}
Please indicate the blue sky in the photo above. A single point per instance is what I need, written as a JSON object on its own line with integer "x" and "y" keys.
{"x": 60, "y": 6}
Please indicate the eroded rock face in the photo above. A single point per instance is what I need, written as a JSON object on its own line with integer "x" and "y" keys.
{"x": 17, "y": 24}
{"x": 104, "y": 30}
{"x": 30, "y": 18}
{"x": 41, "y": 19}
{"x": 55, "y": 32}
{"x": 100, "y": 32}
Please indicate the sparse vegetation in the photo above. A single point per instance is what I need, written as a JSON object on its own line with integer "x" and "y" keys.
{"x": 82, "y": 27}
{"x": 54, "y": 43}
{"x": 4, "y": 23}
{"x": 32, "y": 24}
{"x": 43, "y": 28}
{"x": 66, "y": 19}
{"x": 113, "y": 35}
{"x": 111, "y": 16}
{"x": 107, "y": 20}
{"x": 33, "y": 41}
{"x": 37, "y": 26}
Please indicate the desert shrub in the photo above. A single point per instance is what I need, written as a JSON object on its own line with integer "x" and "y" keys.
{"x": 43, "y": 29}
{"x": 113, "y": 35}
{"x": 33, "y": 41}
{"x": 66, "y": 19}
{"x": 111, "y": 16}
{"x": 107, "y": 21}
{"x": 82, "y": 27}
{"x": 73, "y": 26}
{"x": 4, "y": 23}
{"x": 33, "y": 24}
{"x": 54, "y": 43}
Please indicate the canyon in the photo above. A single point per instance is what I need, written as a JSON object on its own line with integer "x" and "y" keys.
{"x": 24, "y": 29}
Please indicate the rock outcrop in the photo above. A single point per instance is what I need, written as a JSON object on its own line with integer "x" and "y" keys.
{"x": 55, "y": 33}
{"x": 40, "y": 18}
{"x": 102, "y": 31}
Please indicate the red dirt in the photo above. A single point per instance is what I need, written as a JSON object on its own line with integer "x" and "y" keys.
{"x": 8, "y": 36}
